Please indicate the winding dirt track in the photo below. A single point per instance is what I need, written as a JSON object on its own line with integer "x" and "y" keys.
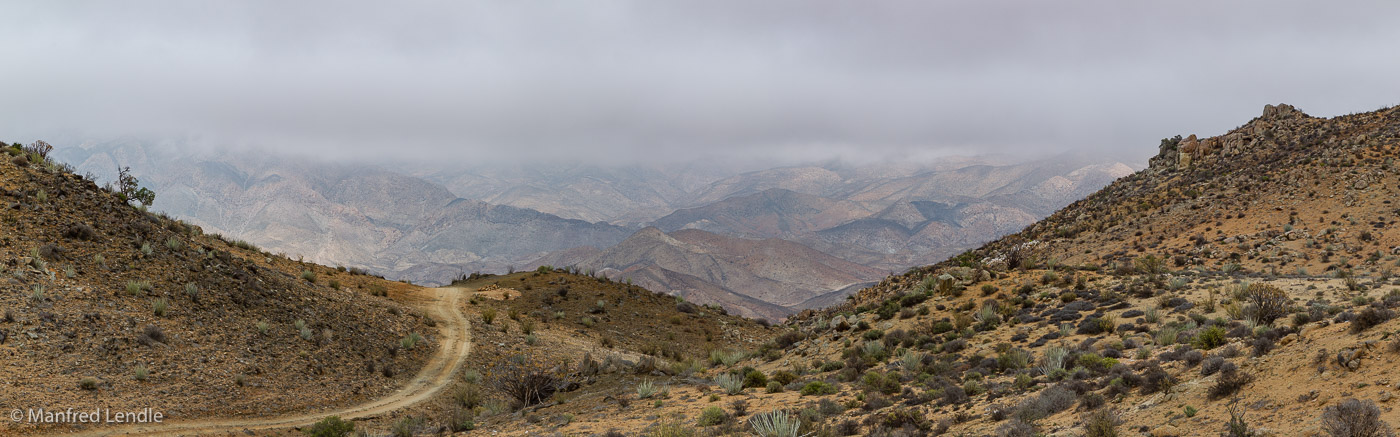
{"x": 442, "y": 303}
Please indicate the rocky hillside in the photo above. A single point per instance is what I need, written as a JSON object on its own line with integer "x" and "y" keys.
{"x": 107, "y": 305}
{"x": 1241, "y": 285}
{"x": 1285, "y": 194}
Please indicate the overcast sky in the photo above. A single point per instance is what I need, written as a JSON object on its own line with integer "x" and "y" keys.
{"x": 674, "y": 80}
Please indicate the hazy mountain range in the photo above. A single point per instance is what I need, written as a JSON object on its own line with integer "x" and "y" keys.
{"x": 763, "y": 243}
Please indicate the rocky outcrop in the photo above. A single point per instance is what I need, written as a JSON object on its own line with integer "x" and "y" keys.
{"x": 1178, "y": 153}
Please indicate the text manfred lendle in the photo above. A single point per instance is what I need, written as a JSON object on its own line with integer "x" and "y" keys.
{"x": 96, "y": 415}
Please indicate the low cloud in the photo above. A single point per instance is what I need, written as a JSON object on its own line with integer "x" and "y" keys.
{"x": 638, "y": 80}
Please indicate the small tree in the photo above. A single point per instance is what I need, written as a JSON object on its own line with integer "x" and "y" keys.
{"x": 39, "y": 148}
{"x": 1150, "y": 265}
{"x": 130, "y": 188}
{"x": 1266, "y": 303}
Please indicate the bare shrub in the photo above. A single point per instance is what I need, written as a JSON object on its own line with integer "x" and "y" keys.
{"x": 1101, "y": 423}
{"x": 1230, "y": 381}
{"x": 525, "y": 380}
{"x": 1354, "y": 418}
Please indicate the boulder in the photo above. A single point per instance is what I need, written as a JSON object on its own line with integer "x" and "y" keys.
{"x": 1165, "y": 431}
{"x": 1350, "y": 358}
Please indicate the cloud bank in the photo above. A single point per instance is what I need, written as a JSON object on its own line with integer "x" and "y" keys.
{"x": 641, "y": 80}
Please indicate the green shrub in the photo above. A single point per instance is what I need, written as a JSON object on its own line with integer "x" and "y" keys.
{"x": 1209, "y": 338}
{"x": 711, "y": 416}
{"x": 1095, "y": 362}
{"x": 330, "y": 427}
{"x": 818, "y": 388}
{"x": 308, "y": 275}
{"x": 775, "y": 387}
{"x": 784, "y": 377}
{"x": 874, "y": 334}
{"x": 887, "y": 383}
{"x": 941, "y": 326}
{"x": 832, "y": 366}
{"x": 488, "y": 315}
{"x": 159, "y": 306}
{"x": 755, "y": 378}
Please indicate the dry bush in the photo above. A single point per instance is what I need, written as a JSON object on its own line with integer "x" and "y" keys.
{"x": 1230, "y": 381}
{"x": 525, "y": 380}
{"x": 1354, "y": 418}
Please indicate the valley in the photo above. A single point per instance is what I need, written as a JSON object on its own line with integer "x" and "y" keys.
{"x": 857, "y": 223}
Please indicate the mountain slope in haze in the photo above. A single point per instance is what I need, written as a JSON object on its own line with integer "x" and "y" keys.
{"x": 895, "y": 221}
{"x": 400, "y": 226}
{"x": 623, "y": 194}
{"x": 767, "y": 278}
{"x": 884, "y": 216}
{"x": 772, "y": 213}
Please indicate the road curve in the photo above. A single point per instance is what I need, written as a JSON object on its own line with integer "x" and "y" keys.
{"x": 442, "y": 303}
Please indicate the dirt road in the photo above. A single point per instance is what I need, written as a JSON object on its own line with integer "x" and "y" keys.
{"x": 442, "y": 303}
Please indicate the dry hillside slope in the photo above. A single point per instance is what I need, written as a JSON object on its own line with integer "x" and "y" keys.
{"x": 1241, "y": 285}
{"x": 108, "y": 306}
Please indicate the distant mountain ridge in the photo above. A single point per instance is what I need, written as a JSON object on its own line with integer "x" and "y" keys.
{"x": 713, "y": 269}
{"x": 397, "y": 225}
{"x": 873, "y": 219}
